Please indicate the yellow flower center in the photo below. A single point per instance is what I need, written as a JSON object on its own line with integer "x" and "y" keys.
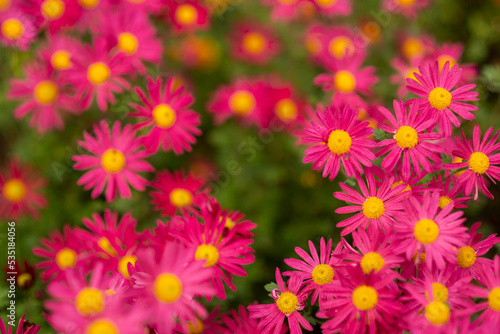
{"x": 136, "y": 1}
{"x": 181, "y": 197}
{"x": 440, "y": 98}
{"x": 12, "y": 29}
{"x": 123, "y": 264}
{"x": 287, "y": 302}
{"x": 344, "y": 81}
{"x": 186, "y": 14}
{"x": 440, "y": 292}
{"x": 444, "y": 201}
{"x": 89, "y": 4}
{"x": 4, "y": 5}
{"x": 325, "y": 3}
{"x": 288, "y": 2}
{"x": 323, "y": 274}
{"x": 66, "y": 258}
{"x": 164, "y": 116}
{"x": 406, "y": 137}
{"x": 14, "y": 190}
{"x": 426, "y": 231}
{"x": 457, "y": 160}
{"x": 410, "y": 74}
{"x": 365, "y": 298}
{"x": 254, "y": 43}
{"x": 494, "y": 299}
{"x": 395, "y": 184}
{"x": 89, "y": 301}
{"x": 413, "y": 47}
{"x": 208, "y": 253}
{"x": 106, "y": 246}
{"x": 446, "y": 58}
{"x": 168, "y": 288}
{"x": 45, "y": 92}
{"x": 339, "y": 142}
{"x": 195, "y": 327}
{"x": 373, "y": 208}
{"x": 98, "y": 73}
{"x": 61, "y": 60}
{"x": 286, "y": 110}
{"x": 341, "y": 46}
{"x": 229, "y": 223}
{"x": 102, "y": 326}
{"x": 466, "y": 257}
{"x": 24, "y": 279}
{"x": 405, "y": 3}
{"x": 479, "y": 162}
{"x": 128, "y": 43}
{"x": 372, "y": 261}
{"x": 113, "y": 160}
{"x": 437, "y": 312}
{"x": 52, "y": 9}
{"x": 242, "y": 102}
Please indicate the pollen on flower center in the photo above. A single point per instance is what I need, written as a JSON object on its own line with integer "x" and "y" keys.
{"x": 287, "y": 302}
{"x": 229, "y": 224}
{"x": 440, "y": 292}
{"x": 186, "y": 14}
{"x": 373, "y": 208}
{"x": 14, "y": 190}
{"x": 323, "y": 274}
{"x": 61, "y": 60}
{"x": 395, "y": 184}
{"x": 466, "y": 257}
{"x": 437, "y": 312}
{"x": 164, "y": 116}
{"x": 372, "y": 261}
{"x": 89, "y": 4}
{"x": 406, "y": 137}
{"x": 45, "y": 92}
{"x": 286, "y": 110}
{"x": 365, "y": 298}
{"x": 168, "y": 288}
{"x": 181, "y": 197}
{"x": 344, "y": 81}
{"x": 494, "y": 299}
{"x": 195, "y": 327}
{"x": 102, "y": 326}
{"x": 24, "y": 279}
{"x": 98, "y": 73}
{"x": 444, "y": 201}
{"x": 52, "y": 9}
{"x": 66, "y": 258}
{"x": 254, "y": 43}
{"x": 128, "y": 43}
{"x": 413, "y": 47}
{"x": 426, "y": 231}
{"x": 208, "y": 253}
{"x": 106, "y": 246}
{"x": 405, "y": 3}
{"x": 325, "y": 3}
{"x": 242, "y": 102}
{"x": 479, "y": 162}
{"x": 446, "y": 58}
{"x": 89, "y": 301}
{"x": 123, "y": 264}
{"x": 340, "y": 46}
{"x": 440, "y": 98}
{"x": 12, "y": 29}
{"x": 339, "y": 142}
{"x": 113, "y": 160}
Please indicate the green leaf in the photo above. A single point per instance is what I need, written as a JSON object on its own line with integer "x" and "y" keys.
{"x": 270, "y": 286}
{"x": 381, "y": 134}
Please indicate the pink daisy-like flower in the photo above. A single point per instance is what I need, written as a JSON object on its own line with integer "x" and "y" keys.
{"x": 60, "y": 51}
{"x": 376, "y": 206}
{"x": 409, "y": 140}
{"x": 97, "y": 72}
{"x": 236, "y": 221}
{"x": 24, "y": 327}
{"x": 55, "y": 14}
{"x": 449, "y": 195}
{"x": 166, "y": 112}
{"x": 337, "y": 43}
{"x": 187, "y": 15}
{"x": 340, "y": 140}
{"x": 167, "y": 288}
{"x": 286, "y": 108}
{"x": 289, "y": 299}
{"x": 408, "y": 8}
{"x": 361, "y": 303}
{"x": 422, "y": 227}
{"x": 177, "y": 192}
{"x": 254, "y": 43}
{"x": 452, "y": 52}
{"x": 317, "y": 271}
{"x": 19, "y": 190}
{"x": 45, "y": 97}
{"x": 480, "y": 157}
{"x": 333, "y": 7}
{"x": 116, "y": 159}
{"x": 437, "y": 98}
{"x": 415, "y": 47}
{"x": 16, "y": 29}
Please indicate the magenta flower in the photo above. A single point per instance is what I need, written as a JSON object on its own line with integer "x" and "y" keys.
{"x": 60, "y": 51}
{"x": 17, "y": 29}
{"x": 437, "y": 98}
{"x": 409, "y": 140}
{"x": 188, "y": 15}
{"x": 54, "y": 14}
{"x": 452, "y": 52}
{"x": 340, "y": 140}
{"x": 286, "y": 10}
{"x": 449, "y": 195}
{"x": 333, "y": 7}
{"x": 405, "y": 71}
{"x": 254, "y": 43}
{"x": 408, "y": 8}
{"x": 166, "y": 113}
{"x": 116, "y": 158}
{"x": 238, "y": 322}
{"x": 289, "y": 299}
{"x": 24, "y": 327}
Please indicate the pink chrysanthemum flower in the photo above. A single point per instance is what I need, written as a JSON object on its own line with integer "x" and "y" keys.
{"x": 415, "y": 47}
{"x": 116, "y": 159}
{"x": 55, "y": 14}
{"x": 333, "y": 7}
{"x": 98, "y": 72}
{"x": 422, "y": 227}
{"x": 187, "y": 15}
{"x": 341, "y": 140}
{"x": 166, "y": 112}
{"x": 16, "y": 29}
{"x": 19, "y": 191}
{"x": 405, "y": 71}
{"x": 24, "y": 327}
{"x": 167, "y": 288}
{"x": 361, "y": 303}
{"x": 45, "y": 97}
{"x": 337, "y": 43}
{"x": 236, "y": 221}
{"x": 480, "y": 159}
{"x": 413, "y": 187}
{"x": 254, "y": 43}
{"x": 285, "y": 108}
{"x": 409, "y": 140}
{"x": 289, "y": 299}
{"x": 452, "y": 52}
{"x": 437, "y": 98}
{"x": 409, "y": 8}
{"x": 177, "y": 192}
{"x": 449, "y": 195}
{"x": 60, "y": 51}
{"x": 287, "y": 10}
{"x": 317, "y": 272}
{"x": 375, "y": 206}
